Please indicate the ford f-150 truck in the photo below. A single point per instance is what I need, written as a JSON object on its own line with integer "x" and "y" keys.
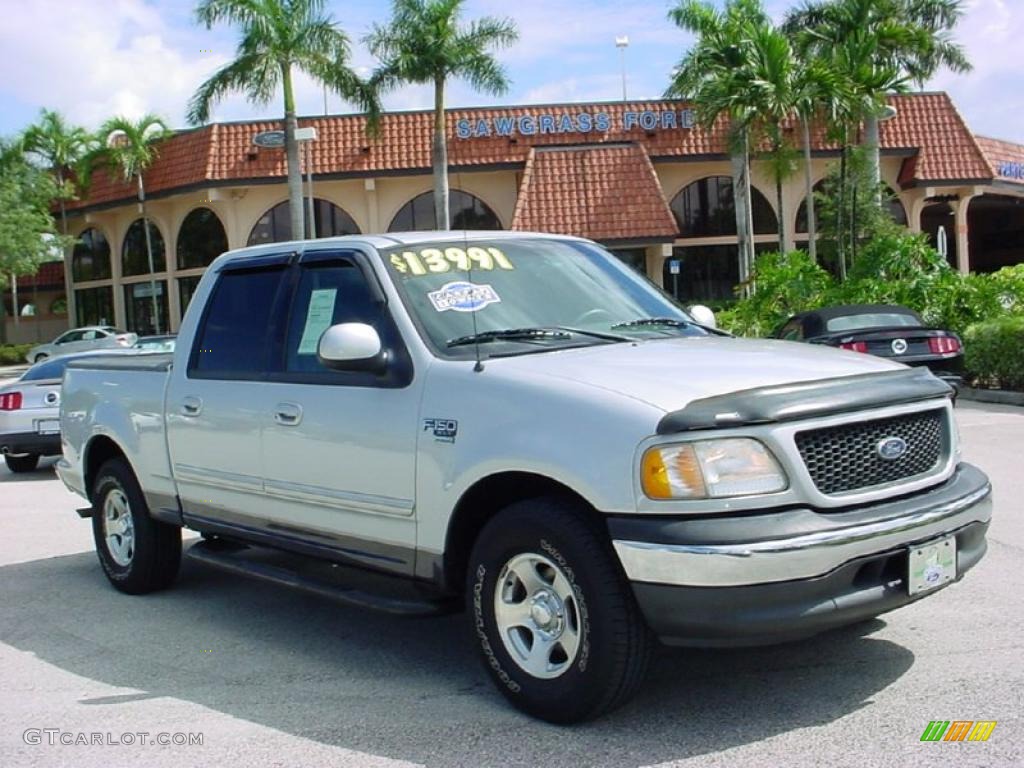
{"x": 522, "y": 426}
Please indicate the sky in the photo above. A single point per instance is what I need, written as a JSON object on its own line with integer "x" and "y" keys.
{"x": 91, "y": 59}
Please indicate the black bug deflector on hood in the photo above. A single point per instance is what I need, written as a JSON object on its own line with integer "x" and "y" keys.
{"x": 805, "y": 399}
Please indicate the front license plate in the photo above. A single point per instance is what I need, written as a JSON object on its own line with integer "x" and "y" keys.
{"x": 48, "y": 426}
{"x": 932, "y": 564}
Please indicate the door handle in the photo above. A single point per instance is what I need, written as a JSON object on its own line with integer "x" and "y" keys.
{"x": 288, "y": 414}
{"x": 191, "y": 406}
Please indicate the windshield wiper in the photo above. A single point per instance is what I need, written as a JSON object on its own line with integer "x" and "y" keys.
{"x": 531, "y": 334}
{"x": 509, "y": 334}
{"x": 672, "y": 322}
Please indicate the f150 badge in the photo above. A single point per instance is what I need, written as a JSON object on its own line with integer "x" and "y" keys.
{"x": 444, "y": 430}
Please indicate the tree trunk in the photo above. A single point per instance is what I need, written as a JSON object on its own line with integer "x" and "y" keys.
{"x": 840, "y": 206}
{"x": 874, "y": 161}
{"x": 812, "y": 225}
{"x": 740, "y": 205}
{"x": 780, "y": 202}
{"x": 750, "y": 210}
{"x": 440, "y": 159}
{"x": 292, "y": 152}
{"x": 149, "y": 258}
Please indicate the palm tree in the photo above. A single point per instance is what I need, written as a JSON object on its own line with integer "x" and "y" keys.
{"x": 717, "y": 74}
{"x": 424, "y": 43}
{"x": 279, "y": 37}
{"x": 131, "y": 147}
{"x": 881, "y": 45}
{"x": 64, "y": 150}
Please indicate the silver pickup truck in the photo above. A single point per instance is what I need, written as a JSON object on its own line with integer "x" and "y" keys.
{"x": 523, "y": 427}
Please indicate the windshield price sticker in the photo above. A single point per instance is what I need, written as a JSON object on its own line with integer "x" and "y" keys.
{"x": 437, "y": 260}
{"x": 463, "y": 297}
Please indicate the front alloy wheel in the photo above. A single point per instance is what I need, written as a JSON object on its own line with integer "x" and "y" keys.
{"x": 554, "y": 619}
{"x": 537, "y": 616}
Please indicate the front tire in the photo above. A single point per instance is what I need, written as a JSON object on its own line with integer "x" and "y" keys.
{"x": 40, "y": 358}
{"x": 138, "y": 554}
{"x": 19, "y": 464}
{"x": 553, "y": 617}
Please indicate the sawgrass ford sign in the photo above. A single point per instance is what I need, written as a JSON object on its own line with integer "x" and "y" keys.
{"x": 541, "y": 123}
{"x": 1012, "y": 170}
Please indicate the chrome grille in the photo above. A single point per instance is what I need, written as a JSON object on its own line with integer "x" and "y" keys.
{"x": 847, "y": 458}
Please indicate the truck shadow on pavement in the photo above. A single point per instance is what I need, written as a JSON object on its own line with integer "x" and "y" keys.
{"x": 409, "y": 689}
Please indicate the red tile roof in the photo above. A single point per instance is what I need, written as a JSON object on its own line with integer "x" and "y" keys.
{"x": 603, "y": 193}
{"x": 1006, "y": 158}
{"x": 50, "y": 275}
{"x": 927, "y": 123}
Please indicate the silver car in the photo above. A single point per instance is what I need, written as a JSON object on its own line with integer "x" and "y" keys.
{"x": 81, "y": 340}
{"x": 30, "y": 411}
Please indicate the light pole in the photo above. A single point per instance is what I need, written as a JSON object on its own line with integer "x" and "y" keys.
{"x": 305, "y": 136}
{"x": 622, "y": 43}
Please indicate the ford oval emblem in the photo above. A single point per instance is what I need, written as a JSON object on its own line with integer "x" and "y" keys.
{"x": 891, "y": 448}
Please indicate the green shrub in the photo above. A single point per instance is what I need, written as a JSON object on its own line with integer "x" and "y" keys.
{"x": 994, "y": 353}
{"x": 13, "y": 354}
{"x": 787, "y": 283}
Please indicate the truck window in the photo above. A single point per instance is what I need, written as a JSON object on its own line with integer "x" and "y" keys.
{"x": 234, "y": 341}
{"x": 331, "y": 292}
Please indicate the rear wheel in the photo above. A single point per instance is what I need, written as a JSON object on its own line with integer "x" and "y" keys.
{"x": 554, "y": 618}
{"x": 138, "y": 554}
{"x": 25, "y": 463}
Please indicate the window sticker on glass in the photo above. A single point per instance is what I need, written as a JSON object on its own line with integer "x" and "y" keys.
{"x": 463, "y": 297}
{"x": 437, "y": 260}
{"x": 318, "y": 319}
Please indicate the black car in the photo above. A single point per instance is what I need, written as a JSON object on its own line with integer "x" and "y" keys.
{"x": 885, "y": 330}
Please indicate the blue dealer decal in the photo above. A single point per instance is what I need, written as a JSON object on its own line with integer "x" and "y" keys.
{"x": 463, "y": 297}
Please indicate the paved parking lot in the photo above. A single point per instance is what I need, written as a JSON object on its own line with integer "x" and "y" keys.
{"x": 272, "y": 677}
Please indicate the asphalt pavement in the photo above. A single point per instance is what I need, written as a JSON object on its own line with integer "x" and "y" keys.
{"x": 269, "y": 677}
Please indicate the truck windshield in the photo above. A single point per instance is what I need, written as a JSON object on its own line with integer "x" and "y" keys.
{"x": 510, "y": 292}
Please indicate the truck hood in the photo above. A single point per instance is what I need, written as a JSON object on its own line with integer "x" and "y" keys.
{"x": 670, "y": 373}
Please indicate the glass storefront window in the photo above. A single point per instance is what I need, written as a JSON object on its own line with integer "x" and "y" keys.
{"x": 201, "y": 239}
{"x": 275, "y": 225}
{"x": 134, "y": 258}
{"x": 706, "y": 208}
{"x": 186, "y": 289}
{"x": 94, "y": 306}
{"x": 632, "y": 257}
{"x": 138, "y": 307}
{"x": 707, "y": 273}
{"x": 90, "y": 259}
{"x": 465, "y": 210}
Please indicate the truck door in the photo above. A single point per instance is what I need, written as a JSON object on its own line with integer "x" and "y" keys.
{"x": 218, "y": 403}
{"x": 339, "y": 447}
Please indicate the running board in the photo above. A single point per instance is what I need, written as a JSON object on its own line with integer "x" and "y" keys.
{"x": 236, "y": 560}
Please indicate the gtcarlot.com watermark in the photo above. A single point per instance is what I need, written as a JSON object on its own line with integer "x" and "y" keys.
{"x": 55, "y": 736}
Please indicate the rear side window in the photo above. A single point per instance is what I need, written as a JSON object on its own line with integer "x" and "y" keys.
{"x": 53, "y": 369}
{"x": 237, "y": 330}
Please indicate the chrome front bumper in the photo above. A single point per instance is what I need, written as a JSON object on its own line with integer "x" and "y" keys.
{"x": 793, "y": 544}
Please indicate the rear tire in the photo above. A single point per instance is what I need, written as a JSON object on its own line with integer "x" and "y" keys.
{"x": 138, "y": 554}
{"x": 554, "y": 619}
{"x": 19, "y": 464}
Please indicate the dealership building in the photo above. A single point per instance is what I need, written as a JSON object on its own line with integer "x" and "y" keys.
{"x": 641, "y": 178}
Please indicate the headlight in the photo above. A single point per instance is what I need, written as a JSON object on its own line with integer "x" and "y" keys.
{"x": 737, "y": 466}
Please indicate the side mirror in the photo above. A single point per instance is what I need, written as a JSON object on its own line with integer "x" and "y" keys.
{"x": 352, "y": 347}
{"x": 703, "y": 315}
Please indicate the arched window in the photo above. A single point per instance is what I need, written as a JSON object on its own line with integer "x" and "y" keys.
{"x": 896, "y": 209}
{"x": 275, "y": 225}
{"x": 707, "y": 208}
{"x": 466, "y": 211}
{"x": 90, "y": 260}
{"x": 134, "y": 258}
{"x": 201, "y": 239}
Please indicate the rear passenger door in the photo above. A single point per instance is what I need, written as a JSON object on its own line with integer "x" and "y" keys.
{"x": 339, "y": 447}
{"x": 219, "y": 404}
